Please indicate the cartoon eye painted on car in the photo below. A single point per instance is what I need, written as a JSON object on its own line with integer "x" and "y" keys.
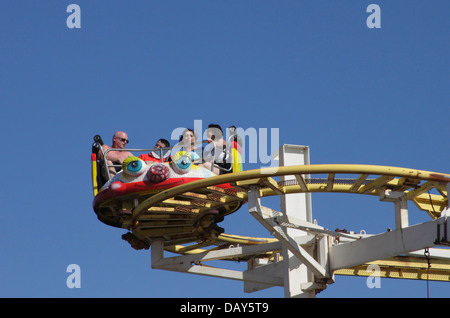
{"x": 133, "y": 166}
{"x": 181, "y": 162}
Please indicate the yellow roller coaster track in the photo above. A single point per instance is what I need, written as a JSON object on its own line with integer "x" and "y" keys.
{"x": 185, "y": 216}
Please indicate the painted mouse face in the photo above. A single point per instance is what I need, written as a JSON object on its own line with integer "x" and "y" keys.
{"x": 181, "y": 166}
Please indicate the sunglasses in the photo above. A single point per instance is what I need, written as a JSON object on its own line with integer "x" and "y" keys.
{"x": 123, "y": 140}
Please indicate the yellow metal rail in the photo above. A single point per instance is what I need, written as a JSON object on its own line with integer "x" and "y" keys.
{"x": 403, "y": 267}
{"x": 415, "y": 183}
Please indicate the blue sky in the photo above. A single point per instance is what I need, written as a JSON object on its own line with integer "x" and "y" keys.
{"x": 312, "y": 69}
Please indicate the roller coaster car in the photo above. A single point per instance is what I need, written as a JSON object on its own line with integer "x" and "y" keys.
{"x": 139, "y": 180}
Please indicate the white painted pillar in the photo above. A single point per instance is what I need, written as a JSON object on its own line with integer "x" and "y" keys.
{"x": 297, "y": 205}
{"x": 400, "y": 205}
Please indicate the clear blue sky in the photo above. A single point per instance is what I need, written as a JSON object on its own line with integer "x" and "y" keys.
{"x": 312, "y": 69}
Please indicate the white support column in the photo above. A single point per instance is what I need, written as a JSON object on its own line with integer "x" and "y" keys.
{"x": 400, "y": 205}
{"x": 297, "y": 205}
{"x": 294, "y": 155}
{"x": 401, "y": 212}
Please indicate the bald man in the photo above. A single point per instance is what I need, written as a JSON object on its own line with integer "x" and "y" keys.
{"x": 119, "y": 141}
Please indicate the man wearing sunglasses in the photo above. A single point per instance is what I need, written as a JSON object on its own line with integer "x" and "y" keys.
{"x": 115, "y": 157}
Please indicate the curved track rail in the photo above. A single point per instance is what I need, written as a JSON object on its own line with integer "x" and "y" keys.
{"x": 189, "y": 213}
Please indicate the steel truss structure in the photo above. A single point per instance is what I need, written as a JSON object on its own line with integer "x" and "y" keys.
{"x": 302, "y": 256}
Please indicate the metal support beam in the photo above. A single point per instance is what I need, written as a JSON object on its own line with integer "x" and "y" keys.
{"x": 271, "y": 268}
{"x": 389, "y": 244}
{"x": 400, "y": 204}
{"x": 192, "y": 264}
{"x": 265, "y": 217}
